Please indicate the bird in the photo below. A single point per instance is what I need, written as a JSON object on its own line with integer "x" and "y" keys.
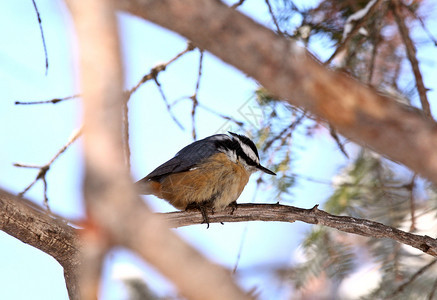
{"x": 209, "y": 173}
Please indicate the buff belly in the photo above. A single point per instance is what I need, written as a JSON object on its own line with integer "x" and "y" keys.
{"x": 217, "y": 180}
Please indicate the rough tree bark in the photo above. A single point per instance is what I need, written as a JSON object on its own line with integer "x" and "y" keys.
{"x": 32, "y": 225}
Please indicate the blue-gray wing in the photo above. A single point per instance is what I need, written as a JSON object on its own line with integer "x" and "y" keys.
{"x": 188, "y": 157}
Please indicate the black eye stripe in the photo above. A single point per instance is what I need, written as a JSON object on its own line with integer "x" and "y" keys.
{"x": 234, "y": 145}
{"x": 245, "y": 140}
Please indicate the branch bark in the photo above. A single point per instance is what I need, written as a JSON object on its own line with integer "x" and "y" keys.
{"x": 30, "y": 224}
{"x": 399, "y": 132}
{"x": 283, "y": 213}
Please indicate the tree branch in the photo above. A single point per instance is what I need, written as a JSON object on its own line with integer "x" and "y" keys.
{"x": 283, "y": 213}
{"x": 412, "y": 55}
{"x": 289, "y": 72}
{"x": 30, "y": 224}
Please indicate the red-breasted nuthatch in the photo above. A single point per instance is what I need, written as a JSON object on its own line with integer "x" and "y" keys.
{"x": 209, "y": 173}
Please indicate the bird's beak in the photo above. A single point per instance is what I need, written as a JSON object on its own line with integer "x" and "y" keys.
{"x": 264, "y": 169}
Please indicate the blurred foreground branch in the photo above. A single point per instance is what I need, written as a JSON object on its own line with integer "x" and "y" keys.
{"x": 115, "y": 212}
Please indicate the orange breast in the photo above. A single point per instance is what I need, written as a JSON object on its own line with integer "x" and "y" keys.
{"x": 218, "y": 179}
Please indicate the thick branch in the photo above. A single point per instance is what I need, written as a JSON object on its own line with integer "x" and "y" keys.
{"x": 111, "y": 201}
{"x": 27, "y": 222}
{"x": 285, "y": 69}
{"x": 282, "y": 213}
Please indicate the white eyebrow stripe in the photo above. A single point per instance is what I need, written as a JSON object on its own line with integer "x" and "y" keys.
{"x": 249, "y": 152}
{"x": 221, "y": 137}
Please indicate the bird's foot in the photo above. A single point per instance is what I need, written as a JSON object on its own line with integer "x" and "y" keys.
{"x": 202, "y": 207}
{"x": 233, "y": 205}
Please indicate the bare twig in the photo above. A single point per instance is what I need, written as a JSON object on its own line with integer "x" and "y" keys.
{"x": 336, "y": 138}
{"x": 422, "y": 23}
{"x": 244, "y": 234}
{"x": 167, "y": 104}
{"x": 126, "y": 145}
{"x": 228, "y": 118}
{"x": 240, "y": 2}
{"x": 155, "y": 71}
{"x": 151, "y": 75}
{"x": 52, "y": 101}
{"x": 377, "y": 38}
{"x": 240, "y": 249}
{"x": 42, "y": 36}
{"x": 372, "y": 59}
{"x": 345, "y": 42}
{"x": 412, "y": 56}
{"x": 284, "y": 132}
{"x": 419, "y": 272}
{"x": 199, "y": 72}
{"x": 410, "y": 187}
{"x": 278, "y": 29}
{"x": 194, "y": 96}
{"x": 43, "y": 169}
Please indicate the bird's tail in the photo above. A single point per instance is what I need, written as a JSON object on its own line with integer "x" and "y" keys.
{"x": 146, "y": 186}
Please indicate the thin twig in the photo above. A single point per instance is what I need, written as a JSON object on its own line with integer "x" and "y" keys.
{"x": 376, "y": 41}
{"x": 372, "y": 60}
{"x": 199, "y": 73}
{"x": 410, "y": 188}
{"x": 167, "y": 104}
{"x": 244, "y": 234}
{"x": 240, "y": 2}
{"x": 412, "y": 56}
{"x": 126, "y": 145}
{"x": 422, "y": 23}
{"x": 193, "y": 116}
{"x": 228, "y": 118}
{"x": 43, "y": 169}
{"x": 401, "y": 288}
{"x": 42, "y": 36}
{"x": 278, "y": 29}
{"x": 51, "y": 101}
{"x": 336, "y": 138}
{"x": 240, "y": 249}
{"x": 154, "y": 71}
{"x": 284, "y": 131}
{"x": 345, "y": 42}
{"x": 194, "y": 96}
